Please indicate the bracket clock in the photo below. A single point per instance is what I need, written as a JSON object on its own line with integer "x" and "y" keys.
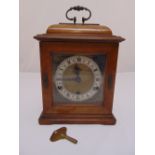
{"x": 78, "y": 68}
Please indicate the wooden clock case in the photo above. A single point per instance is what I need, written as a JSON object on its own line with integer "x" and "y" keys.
{"x": 78, "y": 39}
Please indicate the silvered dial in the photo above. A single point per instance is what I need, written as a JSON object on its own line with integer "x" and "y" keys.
{"x": 78, "y": 78}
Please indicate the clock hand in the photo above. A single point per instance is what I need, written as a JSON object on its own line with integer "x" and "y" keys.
{"x": 77, "y": 70}
{"x": 65, "y": 79}
{"x": 77, "y": 79}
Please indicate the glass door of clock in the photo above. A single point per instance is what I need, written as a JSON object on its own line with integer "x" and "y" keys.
{"x": 78, "y": 78}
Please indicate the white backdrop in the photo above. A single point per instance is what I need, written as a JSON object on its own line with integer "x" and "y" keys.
{"x": 37, "y": 15}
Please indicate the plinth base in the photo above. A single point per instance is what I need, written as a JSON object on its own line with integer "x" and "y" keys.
{"x": 106, "y": 119}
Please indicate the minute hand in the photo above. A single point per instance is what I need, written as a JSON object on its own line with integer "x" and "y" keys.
{"x": 77, "y": 72}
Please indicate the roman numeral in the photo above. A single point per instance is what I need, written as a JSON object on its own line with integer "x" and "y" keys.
{"x": 96, "y": 88}
{"x": 59, "y": 87}
{"x": 68, "y": 94}
{"x": 97, "y": 79}
{"x": 68, "y": 61}
{"x": 79, "y": 59}
{"x": 77, "y": 92}
{"x": 60, "y": 68}
{"x": 95, "y": 69}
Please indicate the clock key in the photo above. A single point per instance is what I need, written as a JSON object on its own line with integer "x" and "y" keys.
{"x": 61, "y": 134}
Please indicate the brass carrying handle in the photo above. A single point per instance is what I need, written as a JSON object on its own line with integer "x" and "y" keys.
{"x": 78, "y": 8}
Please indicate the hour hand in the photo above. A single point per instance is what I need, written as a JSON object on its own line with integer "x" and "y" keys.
{"x": 77, "y": 70}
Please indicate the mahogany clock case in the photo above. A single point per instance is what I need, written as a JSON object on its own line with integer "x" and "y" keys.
{"x": 84, "y": 40}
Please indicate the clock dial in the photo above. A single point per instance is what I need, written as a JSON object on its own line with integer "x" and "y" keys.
{"x": 78, "y": 78}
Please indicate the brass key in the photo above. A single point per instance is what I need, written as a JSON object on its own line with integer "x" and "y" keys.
{"x": 61, "y": 134}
